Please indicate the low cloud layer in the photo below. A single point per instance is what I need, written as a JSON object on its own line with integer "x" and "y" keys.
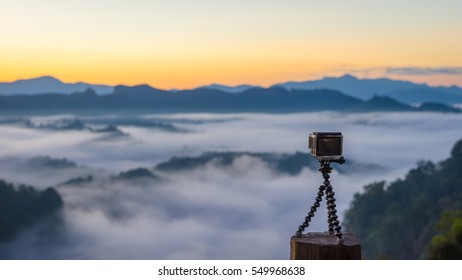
{"x": 419, "y": 71}
{"x": 241, "y": 211}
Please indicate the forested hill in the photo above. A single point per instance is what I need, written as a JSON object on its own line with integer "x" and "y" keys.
{"x": 22, "y": 207}
{"x": 412, "y": 218}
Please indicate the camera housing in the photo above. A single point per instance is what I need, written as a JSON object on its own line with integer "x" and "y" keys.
{"x": 326, "y": 146}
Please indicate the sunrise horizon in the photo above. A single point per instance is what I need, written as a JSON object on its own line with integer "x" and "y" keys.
{"x": 179, "y": 44}
{"x": 423, "y": 81}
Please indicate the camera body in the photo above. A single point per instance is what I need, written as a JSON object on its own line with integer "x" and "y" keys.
{"x": 326, "y": 146}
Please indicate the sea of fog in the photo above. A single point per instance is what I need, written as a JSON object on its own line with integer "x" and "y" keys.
{"x": 244, "y": 210}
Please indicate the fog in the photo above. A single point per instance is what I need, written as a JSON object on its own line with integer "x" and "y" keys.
{"x": 242, "y": 211}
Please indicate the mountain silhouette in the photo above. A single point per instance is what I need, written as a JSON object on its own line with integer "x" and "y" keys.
{"x": 48, "y": 84}
{"x": 330, "y": 93}
{"x": 152, "y": 100}
{"x": 403, "y": 91}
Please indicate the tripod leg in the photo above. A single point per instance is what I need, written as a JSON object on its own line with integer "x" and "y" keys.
{"x": 310, "y": 214}
{"x": 332, "y": 218}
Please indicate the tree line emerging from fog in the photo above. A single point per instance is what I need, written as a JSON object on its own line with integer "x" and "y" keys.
{"x": 418, "y": 217}
{"x": 21, "y": 207}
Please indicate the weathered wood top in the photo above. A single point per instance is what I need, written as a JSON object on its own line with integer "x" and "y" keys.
{"x": 323, "y": 238}
{"x": 323, "y": 246}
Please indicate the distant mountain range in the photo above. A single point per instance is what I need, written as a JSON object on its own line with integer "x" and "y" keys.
{"x": 402, "y": 91}
{"x": 49, "y": 84}
{"x": 150, "y": 100}
{"x": 345, "y": 93}
{"x": 364, "y": 89}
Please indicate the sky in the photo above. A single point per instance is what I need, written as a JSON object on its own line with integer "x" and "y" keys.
{"x": 185, "y": 44}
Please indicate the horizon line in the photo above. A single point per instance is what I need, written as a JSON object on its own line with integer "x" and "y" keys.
{"x": 346, "y": 74}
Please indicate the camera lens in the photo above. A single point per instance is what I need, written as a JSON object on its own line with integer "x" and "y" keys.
{"x": 329, "y": 147}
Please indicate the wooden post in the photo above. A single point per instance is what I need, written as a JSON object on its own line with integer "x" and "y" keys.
{"x": 323, "y": 246}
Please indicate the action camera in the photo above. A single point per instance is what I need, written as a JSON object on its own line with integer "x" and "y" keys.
{"x": 326, "y": 146}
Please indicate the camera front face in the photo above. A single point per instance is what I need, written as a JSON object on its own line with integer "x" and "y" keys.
{"x": 326, "y": 146}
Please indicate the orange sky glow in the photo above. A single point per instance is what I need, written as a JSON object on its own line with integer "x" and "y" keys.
{"x": 181, "y": 44}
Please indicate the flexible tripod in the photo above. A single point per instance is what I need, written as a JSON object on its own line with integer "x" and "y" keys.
{"x": 332, "y": 218}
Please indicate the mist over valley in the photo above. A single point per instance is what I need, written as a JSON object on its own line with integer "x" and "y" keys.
{"x": 198, "y": 186}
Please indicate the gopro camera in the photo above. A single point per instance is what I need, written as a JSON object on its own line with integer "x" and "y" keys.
{"x": 326, "y": 146}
